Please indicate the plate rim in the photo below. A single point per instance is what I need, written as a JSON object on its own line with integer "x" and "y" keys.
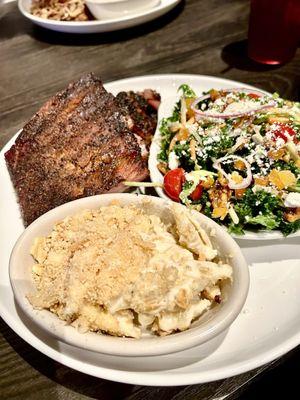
{"x": 154, "y": 378}
{"x": 99, "y": 23}
{"x": 135, "y": 377}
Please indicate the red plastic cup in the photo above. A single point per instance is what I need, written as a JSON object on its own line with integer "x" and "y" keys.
{"x": 274, "y": 30}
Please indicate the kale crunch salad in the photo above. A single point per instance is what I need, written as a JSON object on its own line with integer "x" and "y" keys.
{"x": 233, "y": 155}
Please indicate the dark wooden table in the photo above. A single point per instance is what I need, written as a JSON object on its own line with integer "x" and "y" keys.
{"x": 200, "y": 37}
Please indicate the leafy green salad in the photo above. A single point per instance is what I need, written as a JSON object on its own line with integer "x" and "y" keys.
{"x": 233, "y": 155}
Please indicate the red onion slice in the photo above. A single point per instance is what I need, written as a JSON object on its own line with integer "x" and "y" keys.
{"x": 200, "y": 114}
{"x": 231, "y": 184}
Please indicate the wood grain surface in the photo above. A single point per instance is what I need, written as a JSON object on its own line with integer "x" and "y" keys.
{"x": 198, "y": 36}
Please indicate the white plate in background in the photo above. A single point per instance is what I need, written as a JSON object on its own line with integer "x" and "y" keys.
{"x": 267, "y": 328}
{"x": 97, "y": 26}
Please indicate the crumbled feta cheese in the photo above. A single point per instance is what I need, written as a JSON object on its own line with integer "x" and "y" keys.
{"x": 173, "y": 161}
{"x": 237, "y": 132}
{"x": 292, "y": 200}
{"x": 279, "y": 143}
{"x": 257, "y": 138}
{"x": 193, "y": 128}
{"x": 257, "y": 188}
{"x": 219, "y": 102}
{"x": 256, "y": 128}
{"x": 240, "y": 107}
{"x": 250, "y": 159}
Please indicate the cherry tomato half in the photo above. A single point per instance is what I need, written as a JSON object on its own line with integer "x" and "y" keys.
{"x": 197, "y": 193}
{"x": 254, "y": 96}
{"x": 173, "y": 182}
{"x": 285, "y": 132}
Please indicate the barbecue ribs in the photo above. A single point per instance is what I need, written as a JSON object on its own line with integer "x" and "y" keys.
{"x": 80, "y": 143}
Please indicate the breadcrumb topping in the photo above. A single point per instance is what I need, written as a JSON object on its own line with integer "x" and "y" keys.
{"x": 122, "y": 271}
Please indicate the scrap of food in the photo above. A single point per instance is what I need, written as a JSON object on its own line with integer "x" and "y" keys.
{"x": 234, "y": 156}
{"x": 61, "y": 10}
{"x": 84, "y": 141}
{"x": 123, "y": 271}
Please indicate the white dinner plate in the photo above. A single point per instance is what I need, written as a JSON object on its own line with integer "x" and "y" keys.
{"x": 105, "y": 25}
{"x": 267, "y": 327}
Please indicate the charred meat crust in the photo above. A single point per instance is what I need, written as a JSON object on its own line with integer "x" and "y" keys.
{"x": 78, "y": 144}
{"x": 142, "y": 109}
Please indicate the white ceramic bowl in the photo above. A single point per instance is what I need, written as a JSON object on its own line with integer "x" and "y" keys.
{"x": 200, "y": 83}
{"x": 109, "y": 9}
{"x": 212, "y": 324}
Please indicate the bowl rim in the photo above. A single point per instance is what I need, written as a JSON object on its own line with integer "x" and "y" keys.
{"x": 157, "y": 177}
{"x": 107, "y": 2}
{"x": 120, "y": 346}
{"x": 127, "y": 17}
{"x": 114, "y": 2}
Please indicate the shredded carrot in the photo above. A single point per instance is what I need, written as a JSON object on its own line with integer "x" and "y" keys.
{"x": 277, "y": 154}
{"x": 261, "y": 180}
{"x": 280, "y": 119}
{"x": 239, "y": 193}
{"x": 181, "y": 135}
{"x": 193, "y": 149}
{"x": 239, "y": 164}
